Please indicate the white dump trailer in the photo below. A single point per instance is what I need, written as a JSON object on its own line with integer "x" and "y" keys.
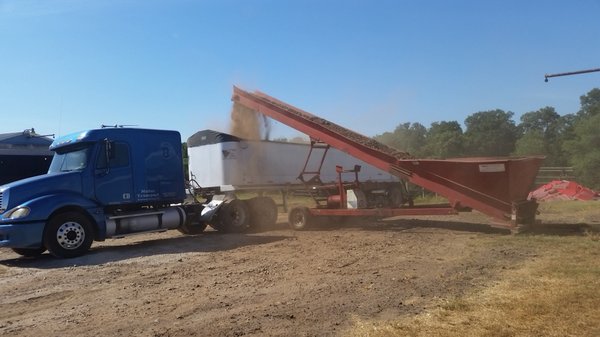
{"x": 226, "y": 163}
{"x": 220, "y": 165}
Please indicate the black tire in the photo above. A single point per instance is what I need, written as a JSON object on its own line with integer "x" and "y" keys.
{"x": 192, "y": 228}
{"x": 233, "y": 217}
{"x": 300, "y": 218}
{"x": 29, "y": 252}
{"x": 68, "y": 235}
{"x": 396, "y": 197}
{"x": 193, "y": 225}
{"x": 263, "y": 212}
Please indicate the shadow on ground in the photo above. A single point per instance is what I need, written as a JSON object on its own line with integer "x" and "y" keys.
{"x": 563, "y": 229}
{"x": 408, "y": 224}
{"x": 213, "y": 241}
{"x": 101, "y": 254}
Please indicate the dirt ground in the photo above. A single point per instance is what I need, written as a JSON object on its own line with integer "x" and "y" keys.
{"x": 277, "y": 282}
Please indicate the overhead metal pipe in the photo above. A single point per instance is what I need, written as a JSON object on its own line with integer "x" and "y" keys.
{"x": 547, "y": 76}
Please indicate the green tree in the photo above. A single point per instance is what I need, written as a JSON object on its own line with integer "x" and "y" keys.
{"x": 544, "y": 120}
{"x": 584, "y": 149}
{"x": 490, "y": 133}
{"x": 444, "y": 140}
{"x": 582, "y": 140}
{"x": 406, "y": 137}
{"x": 543, "y": 132}
{"x": 590, "y": 103}
{"x": 531, "y": 143}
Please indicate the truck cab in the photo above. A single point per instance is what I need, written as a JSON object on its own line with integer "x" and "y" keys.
{"x": 101, "y": 183}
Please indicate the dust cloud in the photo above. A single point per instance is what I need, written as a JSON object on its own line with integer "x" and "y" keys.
{"x": 249, "y": 124}
{"x": 252, "y": 126}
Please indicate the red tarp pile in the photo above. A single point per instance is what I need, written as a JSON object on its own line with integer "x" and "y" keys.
{"x": 563, "y": 190}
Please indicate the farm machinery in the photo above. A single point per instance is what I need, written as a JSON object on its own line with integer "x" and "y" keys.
{"x": 497, "y": 187}
{"x": 112, "y": 182}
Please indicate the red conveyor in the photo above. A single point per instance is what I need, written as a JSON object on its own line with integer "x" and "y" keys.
{"x": 497, "y": 187}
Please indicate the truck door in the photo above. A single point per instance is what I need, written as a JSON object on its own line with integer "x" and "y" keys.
{"x": 113, "y": 174}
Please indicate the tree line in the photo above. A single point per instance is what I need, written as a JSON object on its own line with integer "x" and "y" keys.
{"x": 568, "y": 140}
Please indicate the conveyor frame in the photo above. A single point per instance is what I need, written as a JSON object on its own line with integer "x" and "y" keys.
{"x": 495, "y": 186}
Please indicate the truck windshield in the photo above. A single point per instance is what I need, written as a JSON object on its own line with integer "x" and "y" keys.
{"x": 75, "y": 159}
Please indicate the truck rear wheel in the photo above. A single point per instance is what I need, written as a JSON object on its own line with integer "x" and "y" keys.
{"x": 190, "y": 228}
{"x": 300, "y": 218}
{"x": 263, "y": 212}
{"x": 68, "y": 235}
{"x": 29, "y": 252}
{"x": 233, "y": 217}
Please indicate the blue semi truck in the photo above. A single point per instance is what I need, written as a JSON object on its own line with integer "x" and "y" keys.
{"x": 112, "y": 182}
{"x": 105, "y": 183}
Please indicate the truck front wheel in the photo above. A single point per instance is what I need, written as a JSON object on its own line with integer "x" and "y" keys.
{"x": 68, "y": 235}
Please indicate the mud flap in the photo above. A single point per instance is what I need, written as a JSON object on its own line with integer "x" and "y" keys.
{"x": 210, "y": 209}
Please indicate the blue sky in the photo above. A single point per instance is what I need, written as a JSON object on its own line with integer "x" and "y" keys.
{"x": 69, "y": 65}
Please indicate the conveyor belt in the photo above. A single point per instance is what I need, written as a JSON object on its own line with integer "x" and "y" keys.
{"x": 495, "y": 186}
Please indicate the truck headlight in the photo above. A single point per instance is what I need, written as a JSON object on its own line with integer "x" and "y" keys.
{"x": 17, "y": 213}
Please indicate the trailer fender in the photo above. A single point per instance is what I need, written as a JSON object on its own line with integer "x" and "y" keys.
{"x": 210, "y": 209}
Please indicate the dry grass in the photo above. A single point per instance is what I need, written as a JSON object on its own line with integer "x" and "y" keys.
{"x": 587, "y": 212}
{"x": 569, "y": 206}
{"x": 555, "y": 294}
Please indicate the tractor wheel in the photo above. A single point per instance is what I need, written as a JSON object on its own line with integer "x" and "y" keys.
{"x": 68, "y": 235}
{"x": 300, "y": 218}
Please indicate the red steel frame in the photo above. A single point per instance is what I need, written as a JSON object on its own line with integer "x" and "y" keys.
{"x": 317, "y": 173}
{"x": 497, "y": 187}
{"x": 343, "y": 210}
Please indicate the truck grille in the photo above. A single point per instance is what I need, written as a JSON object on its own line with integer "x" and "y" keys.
{"x": 2, "y": 205}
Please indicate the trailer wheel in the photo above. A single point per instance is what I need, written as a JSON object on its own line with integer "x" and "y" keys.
{"x": 300, "y": 218}
{"x": 68, "y": 235}
{"x": 263, "y": 212}
{"x": 233, "y": 217}
{"x": 29, "y": 252}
